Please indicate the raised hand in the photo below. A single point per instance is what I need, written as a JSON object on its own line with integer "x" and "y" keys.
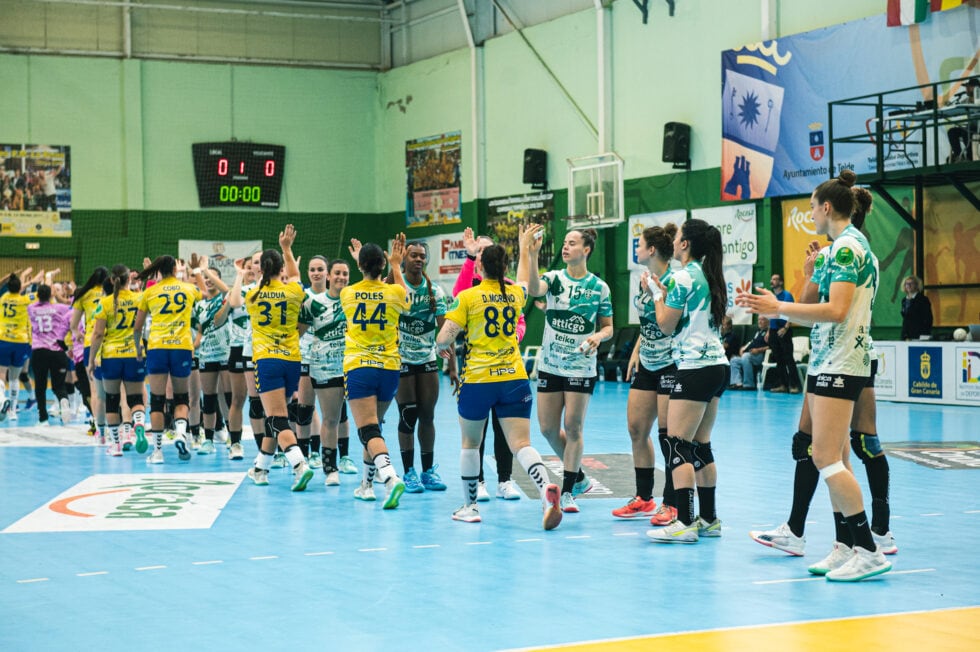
{"x": 397, "y": 253}
{"x": 287, "y": 236}
{"x": 809, "y": 262}
{"x": 469, "y": 242}
{"x": 354, "y": 249}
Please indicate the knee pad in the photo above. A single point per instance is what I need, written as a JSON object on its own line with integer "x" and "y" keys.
{"x": 292, "y": 411}
{"x": 702, "y": 455}
{"x": 802, "y": 447}
{"x": 343, "y": 412}
{"x": 210, "y": 404}
{"x": 157, "y": 402}
{"x": 255, "y": 410}
{"x": 408, "y": 416}
{"x": 24, "y": 377}
{"x": 132, "y": 400}
{"x": 275, "y": 425}
{"x": 865, "y": 446}
{"x": 304, "y": 415}
{"x": 227, "y": 399}
{"x": 182, "y": 398}
{"x": 112, "y": 403}
{"x": 662, "y": 440}
{"x": 680, "y": 452}
{"x": 369, "y": 432}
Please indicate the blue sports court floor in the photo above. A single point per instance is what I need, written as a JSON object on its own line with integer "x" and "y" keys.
{"x": 269, "y": 569}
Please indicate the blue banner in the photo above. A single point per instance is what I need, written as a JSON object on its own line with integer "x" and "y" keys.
{"x": 926, "y": 371}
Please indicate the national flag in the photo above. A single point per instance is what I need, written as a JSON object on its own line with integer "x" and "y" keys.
{"x": 943, "y": 5}
{"x": 907, "y": 12}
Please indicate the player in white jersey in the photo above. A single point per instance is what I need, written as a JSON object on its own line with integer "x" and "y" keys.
{"x": 240, "y": 355}
{"x": 840, "y": 365}
{"x": 578, "y": 317}
{"x": 650, "y": 373}
{"x": 302, "y": 413}
{"x": 211, "y": 317}
{"x": 418, "y": 385}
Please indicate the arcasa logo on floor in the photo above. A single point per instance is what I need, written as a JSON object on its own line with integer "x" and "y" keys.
{"x": 135, "y": 502}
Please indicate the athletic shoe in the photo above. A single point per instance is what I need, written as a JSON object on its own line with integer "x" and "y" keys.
{"x": 29, "y": 404}
{"x": 552, "y": 507}
{"x": 181, "y": 447}
{"x": 365, "y": 491}
{"x": 65, "y": 412}
{"x": 114, "y": 450}
{"x": 196, "y": 441}
{"x": 583, "y": 486}
{"x": 141, "y": 444}
{"x": 862, "y": 565}
{"x": 467, "y": 514}
{"x": 482, "y": 496}
{"x": 636, "y": 508}
{"x": 279, "y": 461}
{"x": 432, "y": 481}
{"x": 207, "y": 448}
{"x": 664, "y": 515}
{"x": 886, "y": 543}
{"x": 43, "y": 424}
{"x": 508, "y": 490}
{"x": 4, "y": 409}
{"x": 221, "y": 436}
{"x": 12, "y": 413}
{"x": 128, "y": 440}
{"x": 156, "y": 457}
{"x": 395, "y": 490}
{"x": 711, "y": 530}
{"x": 675, "y": 532}
{"x": 568, "y": 504}
{"x": 347, "y": 466}
{"x": 837, "y": 558}
{"x": 91, "y": 428}
{"x": 236, "y": 452}
{"x": 333, "y": 479}
{"x": 315, "y": 461}
{"x": 259, "y": 477}
{"x": 302, "y": 475}
{"x": 412, "y": 483}
{"x": 782, "y": 538}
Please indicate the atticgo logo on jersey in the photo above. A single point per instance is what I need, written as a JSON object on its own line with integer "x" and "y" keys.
{"x": 566, "y": 321}
{"x": 823, "y": 380}
{"x": 135, "y": 502}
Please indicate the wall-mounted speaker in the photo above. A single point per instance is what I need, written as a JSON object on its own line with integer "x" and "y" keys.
{"x": 536, "y": 167}
{"x": 677, "y": 144}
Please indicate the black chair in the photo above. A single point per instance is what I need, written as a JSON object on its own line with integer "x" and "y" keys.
{"x": 619, "y": 353}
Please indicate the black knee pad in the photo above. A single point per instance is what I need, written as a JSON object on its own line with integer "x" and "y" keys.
{"x": 680, "y": 452}
{"x": 132, "y": 400}
{"x": 343, "y": 412}
{"x": 702, "y": 455}
{"x": 802, "y": 447}
{"x": 662, "y": 440}
{"x": 408, "y": 416}
{"x": 182, "y": 398}
{"x": 255, "y": 410}
{"x": 304, "y": 415}
{"x": 227, "y": 399}
{"x": 367, "y": 433}
{"x": 865, "y": 446}
{"x": 24, "y": 377}
{"x": 275, "y": 425}
{"x": 112, "y": 403}
{"x": 292, "y": 411}
{"x": 210, "y": 404}
{"x": 157, "y": 402}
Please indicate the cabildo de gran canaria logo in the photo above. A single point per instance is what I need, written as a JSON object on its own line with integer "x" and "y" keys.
{"x": 925, "y": 365}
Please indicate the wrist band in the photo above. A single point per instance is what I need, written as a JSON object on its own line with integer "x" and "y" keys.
{"x": 470, "y": 256}
{"x": 196, "y": 271}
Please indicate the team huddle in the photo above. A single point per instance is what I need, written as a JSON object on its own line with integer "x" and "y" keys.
{"x": 204, "y": 347}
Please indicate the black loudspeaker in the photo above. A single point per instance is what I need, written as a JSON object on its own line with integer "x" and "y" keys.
{"x": 677, "y": 143}
{"x": 535, "y": 167}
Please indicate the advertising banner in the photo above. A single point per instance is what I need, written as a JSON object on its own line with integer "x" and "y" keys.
{"x": 446, "y": 257}
{"x": 506, "y": 214}
{"x": 432, "y": 168}
{"x": 637, "y": 224}
{"x": 35, "y": 191}
{"x": 221, "y": 254}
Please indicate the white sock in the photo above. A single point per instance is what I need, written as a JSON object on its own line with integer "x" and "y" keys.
{"x": 469, "y": 469}
{"x": 157, "y": 439}
{"x": 180, "y": 427}
{"x": 385, "y": 470}
{"x": 263, "y": 461}
{"x": 294, "y": 455}
{"x": 114, "y": 433}
{"x": 369, "y": 472}
{"x": 530, "y": 460}
{"x": 14, "y": 392}
{"x": 139, "y": 418}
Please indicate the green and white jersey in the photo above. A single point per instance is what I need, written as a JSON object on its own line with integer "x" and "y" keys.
{"x": 306, "y": 339}
{"x": 696, "y": 342}
{"x": 655, "y": 350}
{"x": 214, "y": 345}
{"x": 573, "y": 307}
{"x": 845, "y": 348}
{"x": 247, "y": 339}
{"x": 417, "y": 327}
{"x": 327, "y": 329}
{"x": 239, "y": 325}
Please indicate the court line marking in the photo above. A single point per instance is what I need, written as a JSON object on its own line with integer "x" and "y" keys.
{"x": 92, "y": 573}
{"x": 371, "y": 549}
{"x": 623, "y": 534}
{"x": 972, "y": 511}
{"x": 146, "y": 568}
{"x": 526, "y": 540}
{"x": 579, "y": 536}
{"x": 206, "y": 563}
{"x": 479, "y": 543}
{"x": 263, "y": 558}
{"x": 932, "y": 514}
{"x": 33, "y": 579}
{"x": 428, "y": 545}
{"x": 317, "y": 554}
{"x": 817, "y": 579}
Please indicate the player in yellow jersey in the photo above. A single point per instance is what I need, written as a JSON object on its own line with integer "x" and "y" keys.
{"x": 113, "y": 343}
{"x": 494, "y": 376}
{"x": 169, "y": 349}
{"x": 86, "y": 299}
{"x": 15, "y": 338}
{"x": 372, "y": 364}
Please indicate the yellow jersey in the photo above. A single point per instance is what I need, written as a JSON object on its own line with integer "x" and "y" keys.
{"x": 372, "y": 309}
{"x": 15, "y": 324}
{"x": 118, "y": 341}
{"x": 274, "y": 312}
{"x": 490, "y": 320}
{"x": 170, "y": 304}
{"x": 87, "y": 305}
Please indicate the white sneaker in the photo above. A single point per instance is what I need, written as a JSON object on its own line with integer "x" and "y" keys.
{"x": 886, "y": 543}
{"x": 568, "y": 504}
{"x": 837, "y": 558}
{"x": 365, "y": 491}
{"x": 675, "y": 532}
{"x": 467, "y": 514}
{"x": 236, "y": 452}
{"x": 114, "y": 450}
{"x": 279, "y": 461}
{"x": 5, "y": 410}
{"x": 782, "y": 538}
{"x": 302, "y": 474}
{"x": 181, "y": 445}
{"x": 346, "y": 465}
{"x": 862, "y": 565}
{"x": 507, "y": 490}
{"x": 221, "y": 436}
{"x": 259, "y": 477}
{"x": 43, "y": 424}
{"x": 315, "y": 461}
{"x": 482, "y": 496}
{"x": 333, "y": 479}
{"x": 65, "y": 413}
{"x": 156, "y": 457}
{"x": 710, "y": 530}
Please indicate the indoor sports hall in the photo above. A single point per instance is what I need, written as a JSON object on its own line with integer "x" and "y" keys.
{"x": 131, "y": 130}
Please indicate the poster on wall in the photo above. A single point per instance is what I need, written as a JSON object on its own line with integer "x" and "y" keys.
{"x": 951, "y": 246}
{"x": 221, "y": 254}
{"x": 35, "y": 191}
{"x": 775, "y": 136}
{"x": 446, "y": 255}
{"x": 737, "y": 225}
{"x": 506, "y": 214}
{"x": 432, "y": 167}
{"x": 634, "y": 241}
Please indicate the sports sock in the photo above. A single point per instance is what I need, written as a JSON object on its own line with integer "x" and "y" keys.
{"x": 877, "y": 470}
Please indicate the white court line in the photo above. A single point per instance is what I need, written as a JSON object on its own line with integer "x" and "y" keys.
{"x": 91, "y": 574}
{"x": 146, "y": 568}
{"x": 430, "y": 545}
{"x": 479, "y": 543}
{"x": 623, "y": 534}
{"x": 526, "y": 540}
{"x": 579, "y": 536}
{"x": 371, "y": 549}
{"x": 913, "y": 570}
{"x": 762, "y": 525}
{"x": 34, "y": 579}
{"x": 317, "y": 554}
{"x": 969, "y": 511}
{"x": 206, "y": 563}
{"x": 932, "y": 514}
{"x": 263, "y": 558}
{"x": 817, "y": 579}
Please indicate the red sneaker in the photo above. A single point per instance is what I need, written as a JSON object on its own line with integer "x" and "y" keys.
{"x": 636, "y": 508}
{"x": 664, "y": 515}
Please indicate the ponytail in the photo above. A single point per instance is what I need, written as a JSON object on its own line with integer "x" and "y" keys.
{"x": 271, "y": 264}
{"x": 705, "y": 241}
{"x": 95, "y": 280}
{"x": 120, "y": 280}
{"x": 494, "y": 261}
{"x": 164, "y": 265}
